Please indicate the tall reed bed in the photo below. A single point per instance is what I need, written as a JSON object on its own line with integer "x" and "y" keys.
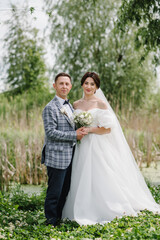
{"x": 21, "y": 139}
{"x": 22, "y": 136}
{"x": 142, "y": 131}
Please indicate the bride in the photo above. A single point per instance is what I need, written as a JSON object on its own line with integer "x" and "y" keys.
{"x": 106, "y": 181}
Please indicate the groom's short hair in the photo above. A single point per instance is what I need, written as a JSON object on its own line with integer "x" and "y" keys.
{"x": 62, "y": 74}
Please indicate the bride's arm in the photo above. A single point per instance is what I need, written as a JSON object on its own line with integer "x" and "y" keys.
{"x": 98, "y": 130}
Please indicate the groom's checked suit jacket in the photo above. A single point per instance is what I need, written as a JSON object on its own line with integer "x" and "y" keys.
{"x": 60, "y": 136}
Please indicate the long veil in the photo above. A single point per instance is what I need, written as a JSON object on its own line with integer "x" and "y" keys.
{"x": 125, "y": 165}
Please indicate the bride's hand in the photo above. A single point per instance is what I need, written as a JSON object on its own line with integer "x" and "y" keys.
{"x": 81, "y": 133}
{"x": 87, "y": 129}
{"x": 97, "y": 130}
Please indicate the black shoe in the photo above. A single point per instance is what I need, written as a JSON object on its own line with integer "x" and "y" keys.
{"x": 58, "y": 222}
{"x": 50, "y": 223}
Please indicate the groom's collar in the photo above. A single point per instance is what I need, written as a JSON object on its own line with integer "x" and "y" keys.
{"x": 61, "y": 100}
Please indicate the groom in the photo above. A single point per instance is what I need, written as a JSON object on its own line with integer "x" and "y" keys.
{"x": 57, "y": 152}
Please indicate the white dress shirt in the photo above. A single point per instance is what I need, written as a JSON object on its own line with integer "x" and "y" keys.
{"x": 67, "y": 108}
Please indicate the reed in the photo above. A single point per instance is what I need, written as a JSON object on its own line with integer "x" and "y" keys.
{"x": 142, "y": 131}
{"x": 21, "y": 142}
{"x": 22, "y": 136}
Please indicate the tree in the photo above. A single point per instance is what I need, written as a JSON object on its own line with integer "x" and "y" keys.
{"x": 25, "y": 54}
{"x": 145, "y": 15}
{"x": 83, "y": 34}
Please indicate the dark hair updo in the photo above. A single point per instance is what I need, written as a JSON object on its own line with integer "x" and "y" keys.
{"x": 92, "y": 75}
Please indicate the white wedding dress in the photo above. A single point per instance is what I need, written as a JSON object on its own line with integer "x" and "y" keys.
{"x": 105, "y": 182}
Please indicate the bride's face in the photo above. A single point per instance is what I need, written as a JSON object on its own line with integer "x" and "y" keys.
{"x": 89, "y": 86}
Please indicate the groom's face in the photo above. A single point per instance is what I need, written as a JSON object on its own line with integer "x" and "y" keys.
{"x": 62, "y": 86}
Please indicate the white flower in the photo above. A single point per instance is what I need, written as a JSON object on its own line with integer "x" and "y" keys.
{"x": 2, "y": 236}
{"x": 81, "y": 115}
{"x": 129, "y": 229}
{"x": 82, "y": 119}
{"x": 63, "y": 111}
{"x": 152, "y": 229}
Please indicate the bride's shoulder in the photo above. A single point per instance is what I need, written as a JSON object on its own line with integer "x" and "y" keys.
{"x": 101, "y": 104}
{"x": 77, "y": 103}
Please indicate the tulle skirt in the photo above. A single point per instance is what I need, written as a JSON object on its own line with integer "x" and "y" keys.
{"x": 105, "y": 184}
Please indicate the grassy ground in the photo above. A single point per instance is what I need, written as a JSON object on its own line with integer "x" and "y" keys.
{"x": 22, "y": 217}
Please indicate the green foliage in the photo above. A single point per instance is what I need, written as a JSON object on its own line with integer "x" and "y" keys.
{"x": 155, "y": 192}
{"x": 124, "y": 80}
{"x": 86, "y": 40}
{"x": 145, "y": 15}
{"x": 25, "y": 54}
{"x": 154, "y": 102}
{"x": 17, "y": 222}
{"x": 11, "y": 104}
{"x": 24, "y": 202}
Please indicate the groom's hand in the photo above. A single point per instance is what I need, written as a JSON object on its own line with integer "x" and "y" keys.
{"x": 80, "y": 133}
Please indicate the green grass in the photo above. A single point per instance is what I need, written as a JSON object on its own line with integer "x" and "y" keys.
{"x": 22, "y": 217}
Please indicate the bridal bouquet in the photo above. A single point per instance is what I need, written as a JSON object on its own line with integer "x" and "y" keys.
{"x": 82, "y": 119}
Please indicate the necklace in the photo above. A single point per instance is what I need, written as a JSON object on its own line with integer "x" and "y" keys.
{"x": 89, "y": 100}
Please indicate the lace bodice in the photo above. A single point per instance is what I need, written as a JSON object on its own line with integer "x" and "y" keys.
{"x": 101, "y": 117}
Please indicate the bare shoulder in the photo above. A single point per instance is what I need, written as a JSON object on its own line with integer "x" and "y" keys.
{"x": 77, "y": 103}
{"x": 101, "y": 104}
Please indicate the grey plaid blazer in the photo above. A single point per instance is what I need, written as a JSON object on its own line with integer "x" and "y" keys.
{"x": 60, "y": 136}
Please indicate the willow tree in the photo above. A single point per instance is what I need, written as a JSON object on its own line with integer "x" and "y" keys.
{"x": 24, "y": 56}
{"x": 145, "y": 15}
{"x": 84, "y": 38}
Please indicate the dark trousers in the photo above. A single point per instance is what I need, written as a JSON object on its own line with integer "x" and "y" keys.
{"x": 57, "y": 191}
